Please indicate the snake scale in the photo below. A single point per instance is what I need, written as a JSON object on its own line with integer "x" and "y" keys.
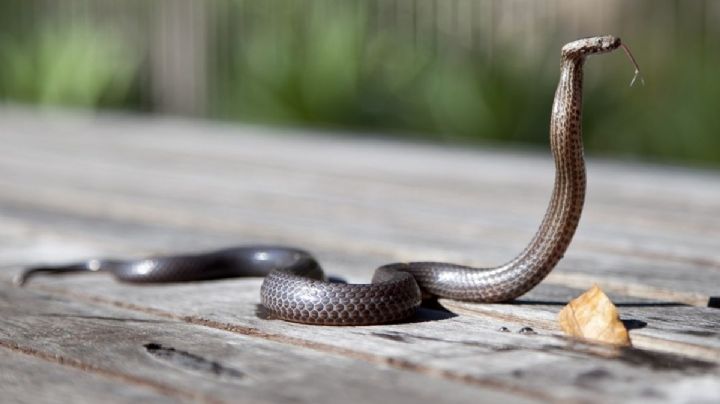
{"x": 295, "y": 289}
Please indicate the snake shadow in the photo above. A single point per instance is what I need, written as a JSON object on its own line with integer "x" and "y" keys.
{"x": 430, "y": 310}
{"x": 524, "y": 302}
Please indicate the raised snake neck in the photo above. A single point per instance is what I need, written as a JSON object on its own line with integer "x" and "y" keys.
{"x": 295, "y": 289}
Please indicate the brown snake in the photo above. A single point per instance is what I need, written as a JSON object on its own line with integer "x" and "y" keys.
{"x": 295, "y": 289}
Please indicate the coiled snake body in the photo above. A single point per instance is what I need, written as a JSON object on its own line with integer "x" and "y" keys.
{"x": 295, "y": 289}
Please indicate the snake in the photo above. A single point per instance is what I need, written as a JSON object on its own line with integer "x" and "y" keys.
{"x": 295, "y": 287}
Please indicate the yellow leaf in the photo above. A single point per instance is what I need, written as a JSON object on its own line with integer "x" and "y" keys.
{"x": 594, "y": 317}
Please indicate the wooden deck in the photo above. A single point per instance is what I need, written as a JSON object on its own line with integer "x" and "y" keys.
{"x": 76, "y": 187}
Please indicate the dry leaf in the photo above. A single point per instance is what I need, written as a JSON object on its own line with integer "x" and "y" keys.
{"x": 593, "y": 316}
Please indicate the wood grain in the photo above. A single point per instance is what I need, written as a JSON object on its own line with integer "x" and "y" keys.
{"x": 74, "y": 186}
{"x": 28, "y": 379}
{"x": 190, "y": 362}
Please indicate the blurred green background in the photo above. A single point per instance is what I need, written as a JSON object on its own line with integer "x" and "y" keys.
{"x": 459, "y": 71}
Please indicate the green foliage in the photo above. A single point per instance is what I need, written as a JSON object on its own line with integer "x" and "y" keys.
{"x": 333, "y": 73}
{"x": 334, "y": 64}
{"x": 674, "y": 117}
{"x": 72, "y": 65}
{"x": 328, "y": 70}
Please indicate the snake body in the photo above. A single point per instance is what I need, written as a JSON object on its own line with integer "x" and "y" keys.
{"x": 295, "y": 289}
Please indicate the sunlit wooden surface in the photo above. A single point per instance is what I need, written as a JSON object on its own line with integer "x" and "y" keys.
{"x": 75, "y": 186}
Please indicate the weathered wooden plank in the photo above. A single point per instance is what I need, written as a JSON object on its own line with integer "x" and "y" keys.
{"x": 692, "y": 325}
{"x": 404, "y": 166}
{"x": 405, "y": 345}
{"x": 119, "y": 186}
{"x": 381, "y": 163}
{"x": 290, "y": 172}
{"x": 181, "y": 183}
{"x": 681, "y": 343}
{"x": 466, "y": 348}
{"x": 664, "y": 326}
{"x": 29, "y": 379}
{"x": 191, "y": 362}
{"x": 356, "y": 265}
{"x": 647, "y": 277}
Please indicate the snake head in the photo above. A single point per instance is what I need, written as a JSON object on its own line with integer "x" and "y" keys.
{"x": 588, "y": 46}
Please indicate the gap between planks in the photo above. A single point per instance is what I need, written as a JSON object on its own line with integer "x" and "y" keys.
{"x": 398, "y": 363}
{"x": 499, "y": 386}
{"x": 401, "y": 252}
{"x": 22, "y": 373}
{"x": 648, "y": 342}
{"x": 125, "y": 377}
